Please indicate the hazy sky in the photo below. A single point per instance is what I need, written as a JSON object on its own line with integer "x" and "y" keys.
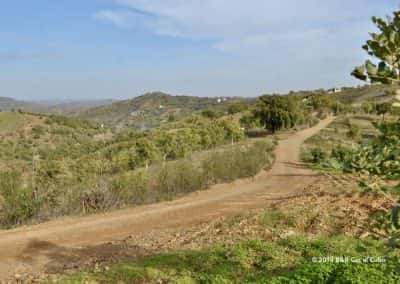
{"x": 86, "y": 49}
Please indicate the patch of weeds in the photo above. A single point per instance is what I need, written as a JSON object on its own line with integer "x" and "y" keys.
{"x": 258, "y": 261}
{"x": 272, "y": 217}
{"x": 396, "y": 189}
{"x": 275, "y": 218}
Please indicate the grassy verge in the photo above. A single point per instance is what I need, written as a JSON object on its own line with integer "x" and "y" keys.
{"x": 291, "y": 260}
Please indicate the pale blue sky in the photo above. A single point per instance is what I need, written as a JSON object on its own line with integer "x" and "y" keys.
{"x": 88, "y": 49}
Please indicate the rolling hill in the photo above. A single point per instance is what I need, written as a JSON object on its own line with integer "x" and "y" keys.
{"x": 153, "y": 109}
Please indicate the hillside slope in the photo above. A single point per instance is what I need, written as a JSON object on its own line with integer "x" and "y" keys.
{"x": 25, "y": 135}
{"x": 369, "y": 93}
{"x": 152, "y": 109}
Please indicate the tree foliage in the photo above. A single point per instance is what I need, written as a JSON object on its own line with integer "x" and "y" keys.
{"x": 385, "y": 47}
{"x": 211, "y": 114}
{"x": 383, "y": 108}
{"x": 277, "y": 112}
{"x": 367, "y": 107}
{"x": 237, "y": 107}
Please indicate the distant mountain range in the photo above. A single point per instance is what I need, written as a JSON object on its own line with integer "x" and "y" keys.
{"x": 53, "y": 107}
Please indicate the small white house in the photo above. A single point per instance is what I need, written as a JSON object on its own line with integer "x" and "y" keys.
{"x": 335, "y": 90}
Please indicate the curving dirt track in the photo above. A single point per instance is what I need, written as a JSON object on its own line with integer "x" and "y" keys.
{"x": 39, "y": 248}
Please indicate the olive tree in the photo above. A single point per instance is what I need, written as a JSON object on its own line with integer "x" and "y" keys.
{"x": 278, "y": 112}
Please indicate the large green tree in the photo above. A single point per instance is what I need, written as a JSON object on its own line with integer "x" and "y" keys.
{"x": 278, "y": 112}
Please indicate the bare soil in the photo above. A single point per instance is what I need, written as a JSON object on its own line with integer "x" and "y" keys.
{"x": 69, "y": 243}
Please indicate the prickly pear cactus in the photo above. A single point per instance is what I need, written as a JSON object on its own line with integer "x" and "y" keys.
{"x": 384, "y": 46}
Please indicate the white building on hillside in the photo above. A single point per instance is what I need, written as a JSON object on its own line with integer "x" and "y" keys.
{"x": 335, "y": 90}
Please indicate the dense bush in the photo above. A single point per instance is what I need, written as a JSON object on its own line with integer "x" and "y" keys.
{"x": 237, "y": 107}
{"x": 318, "y": 155}
{"x": 18, "y": 203}
{"x": 212, "y": 114}
{"x": 279, "y": 112}
{"x": 354, "y": 131}
{"x": 177, "y": 178}
{"x": 234, "y": 163}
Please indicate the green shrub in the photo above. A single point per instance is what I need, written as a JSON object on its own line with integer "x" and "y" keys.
{"x": 18, "y": 203}
{"x": 340, "y": 153}
{"x": 318, "y": 155}
{"x": 177, "y": 178}
{"x": 212, "y": 114}
{"x": 237, "y": 163}
{"x": 258, "y": 261}
{"x": 38, "y": 131}
{"x": 354, "y": 131}
{"x": 248, "y": 121}
{"x": 237, "y": 107}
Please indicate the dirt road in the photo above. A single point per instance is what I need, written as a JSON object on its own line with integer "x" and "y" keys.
{"x": 62, "y": 242}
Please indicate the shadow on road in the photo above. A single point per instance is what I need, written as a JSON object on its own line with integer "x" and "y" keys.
{"x": 60, "y": 259}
